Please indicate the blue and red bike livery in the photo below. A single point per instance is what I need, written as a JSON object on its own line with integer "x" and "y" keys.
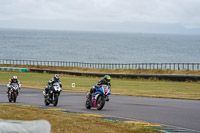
{"x": 98, "y": 98}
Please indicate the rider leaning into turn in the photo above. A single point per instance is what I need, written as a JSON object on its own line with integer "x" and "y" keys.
{"x": 104, "y": 81}
{"x": 55, "y": 79}
{"x": 13, "y": 80}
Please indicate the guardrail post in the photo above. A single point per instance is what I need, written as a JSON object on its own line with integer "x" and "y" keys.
{"x": 178, "y": 67}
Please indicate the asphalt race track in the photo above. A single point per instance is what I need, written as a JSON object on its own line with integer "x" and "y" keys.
{"x": 183, "y": 114}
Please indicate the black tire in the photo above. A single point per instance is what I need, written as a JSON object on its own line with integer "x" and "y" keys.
{"x": 55, "y": 102}
{"x": 46, "y": 102}
{"x": 9, "y": 98}
{"x": 14, "y": 97}
{"x": 100, "y": 102}
{"x": 87, "y": 103}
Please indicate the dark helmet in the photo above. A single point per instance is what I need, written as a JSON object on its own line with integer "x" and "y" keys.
{"x": 56, "y": 77}
{"x": 107, "y": 78}
{"x": 14, "y": 79}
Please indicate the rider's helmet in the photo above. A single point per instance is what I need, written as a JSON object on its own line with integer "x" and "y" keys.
{"x": 14, "y": 79}
{"x": 107, "y": 78}
{"x": 56, "y": 77}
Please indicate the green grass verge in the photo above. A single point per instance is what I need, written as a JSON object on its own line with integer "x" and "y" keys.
{"x": 131, "y": 87}
{"x": 69, "y": 123}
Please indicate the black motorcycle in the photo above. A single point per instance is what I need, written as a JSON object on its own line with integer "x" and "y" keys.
{"x": 52, "y": 96}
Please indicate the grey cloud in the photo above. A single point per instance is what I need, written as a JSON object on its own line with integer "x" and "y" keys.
{"x": 183, "y": 12}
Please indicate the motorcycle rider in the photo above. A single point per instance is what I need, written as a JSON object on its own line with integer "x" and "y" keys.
{"x": 49, "y": 85}
{"x": 13, "y": 80}
{"x": 104, "y": 81}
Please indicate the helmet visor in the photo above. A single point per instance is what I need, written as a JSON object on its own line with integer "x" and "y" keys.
{"x": 56, "y": 77}
{"x": 108, "y": 80}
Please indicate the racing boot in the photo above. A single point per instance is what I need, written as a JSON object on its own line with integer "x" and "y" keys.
{"x": 90, "y": 96}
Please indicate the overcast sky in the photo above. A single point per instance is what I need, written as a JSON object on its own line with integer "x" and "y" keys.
{"x": 164, "y": 16}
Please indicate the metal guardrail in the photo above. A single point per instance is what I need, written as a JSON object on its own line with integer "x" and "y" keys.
{"x": 172, "y": 66}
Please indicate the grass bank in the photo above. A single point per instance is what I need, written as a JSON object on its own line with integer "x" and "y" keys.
{"x": 118, "y": 71}
{"x": 131, "y": 87}
{"x": 69, "y": 123}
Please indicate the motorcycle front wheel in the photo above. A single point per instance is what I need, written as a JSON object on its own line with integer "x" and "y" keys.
{"x": 14, "y": 97}
{"x": 100, "y": 102}
{"x": 55, "y": 102}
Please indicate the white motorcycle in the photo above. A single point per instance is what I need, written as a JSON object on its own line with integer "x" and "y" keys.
{"x": 13, "y": 92}
{"x": 52, "y": 96}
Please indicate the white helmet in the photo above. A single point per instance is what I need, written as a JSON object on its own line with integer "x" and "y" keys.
{"x": 14, "y": 78}
{"x": 56, "y": 77}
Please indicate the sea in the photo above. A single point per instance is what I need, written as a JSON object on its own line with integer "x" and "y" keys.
{"x": 99, "y": 47}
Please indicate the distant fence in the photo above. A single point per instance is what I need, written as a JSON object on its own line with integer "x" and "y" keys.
{"x": 172, "y": 66}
